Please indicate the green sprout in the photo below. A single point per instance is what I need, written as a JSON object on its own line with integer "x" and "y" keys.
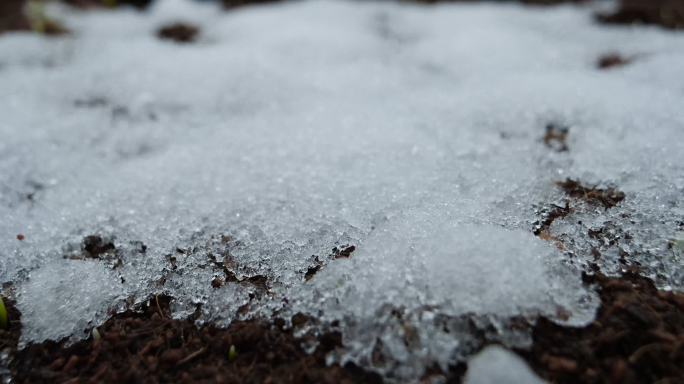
{"x": 4, "y": 321}
{"x": 96, "y": 335}
{"x": 232, "y": 353}
{"x": 40, "y": 21}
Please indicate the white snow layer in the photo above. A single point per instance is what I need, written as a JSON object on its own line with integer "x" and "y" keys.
{"x": 411, "y": 132}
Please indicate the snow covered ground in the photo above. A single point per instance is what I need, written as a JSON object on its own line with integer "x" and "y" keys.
{"x": 411, "y": 132}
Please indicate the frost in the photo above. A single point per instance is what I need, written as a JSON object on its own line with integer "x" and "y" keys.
{"x": 498, "y": 365}
{"x": 226, "y": 172}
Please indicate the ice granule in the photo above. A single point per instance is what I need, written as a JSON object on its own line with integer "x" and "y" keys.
{"x": 495, "y": 364}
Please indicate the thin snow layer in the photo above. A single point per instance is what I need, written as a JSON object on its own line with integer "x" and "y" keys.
{"x": 411, "y": 132}
{"x": 495, "y": 364}
{"x": 394, "y": 295}
{"x": 55, "y": 293}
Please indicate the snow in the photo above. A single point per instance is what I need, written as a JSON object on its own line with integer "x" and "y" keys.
{"x": 495, "y": 364}
{"x": 411, "y": 132}
{"x": 55, "y": 293}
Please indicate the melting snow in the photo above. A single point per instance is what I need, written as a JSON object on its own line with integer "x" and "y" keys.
{"x": 411, "y": 132}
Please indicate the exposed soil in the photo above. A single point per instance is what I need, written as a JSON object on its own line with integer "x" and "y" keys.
{"x": 607, "y": 198}
{"x": 612, "y": 60}
{"x": 666, "y": 13}
{"x": 179, "y": 32}
{"x": 228, "y": 4}
{"x": 592, "y": 195}
{"x": 556, "y": 137}
{"x": 140, "y": 4}
{"x": 146, "y": 346}
{"x": 531, "y": 2}
{"x": 638, "y": 337}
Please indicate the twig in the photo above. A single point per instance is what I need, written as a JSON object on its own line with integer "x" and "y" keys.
{"x": 191, "y": 356}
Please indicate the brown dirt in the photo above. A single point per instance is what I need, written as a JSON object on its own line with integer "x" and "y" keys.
{"x": 146, "y": 346}
{"x": 229, "y": 4}
{"x": 12, "y": 17}
{"x": 530, "y": 2}
{"x": 666, "y": 13}
{"x": 179, "y": 32}
{"x": 556, "y": 137}
{"x": 607, "y": 198}
{"x": 592, "y": 195}
{"x": 612, "y": 60}
{"x": 638, "y": 337}
{"x": 140, "y": 4}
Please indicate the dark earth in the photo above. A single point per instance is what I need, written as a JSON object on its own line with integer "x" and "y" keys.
{"x": 637, "y": 337}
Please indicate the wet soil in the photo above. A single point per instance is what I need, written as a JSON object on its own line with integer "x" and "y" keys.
{"x": 179, "y": 32}
{"x": 556, "y": 137}
{"x": 612, "y": 60}
{"x": 140, "y": 4}
{"x": 637, "y": 337}
{"x": 144, "y": 345}
{"x": 228, "y": 4}
{"x": 666, "y": 13}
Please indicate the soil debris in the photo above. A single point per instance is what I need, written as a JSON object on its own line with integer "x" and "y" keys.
{"x": 612, "y": 60}
{"x": 94, "y": 247}
{"x": 229, "y": 4}
{"x": 179, "y": 32}
{"x": 141, "y": 345}
{"x": 556, "y": 136}
{"x": 542, "y": 228}
{"x": 312, "y": 270}
{"x": 637, "y": 337}
{"x": 666, "y": 13}
{"x": 343, "y": 251}
{"x": 140, "y": 4}
{"x": 528, "y": 2}
{"x": 607, "y": 197}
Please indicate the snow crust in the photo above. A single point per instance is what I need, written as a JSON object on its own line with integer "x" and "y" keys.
{"x": 411, "y": 132}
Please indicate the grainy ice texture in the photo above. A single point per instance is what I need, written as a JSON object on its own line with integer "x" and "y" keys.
{"x": 399, "y": 156}
{"x": 56, "y": 292}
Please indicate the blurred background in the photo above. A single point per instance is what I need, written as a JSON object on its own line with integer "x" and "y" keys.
{"x": 29, "y": 14}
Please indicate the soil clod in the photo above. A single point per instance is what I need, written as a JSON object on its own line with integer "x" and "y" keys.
{"x": 141, "y": 346}
{"x": 179, "y": 32}
{"x": 607, "y": 197}
{"x": 556, "y": 136}
{"x": 612, "y": 60}
{"x": 343, "y": 252}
